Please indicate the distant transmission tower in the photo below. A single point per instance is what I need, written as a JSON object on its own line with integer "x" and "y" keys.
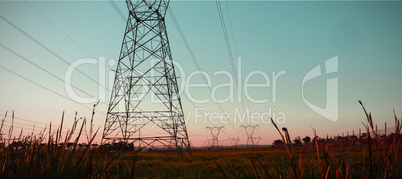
{"x": 251, "y": 140}
{"x": 256, "y": 140}
{"x": 215, "y": 131}
{"x": 145, "y": 107}
{"x": 234, "y": 141}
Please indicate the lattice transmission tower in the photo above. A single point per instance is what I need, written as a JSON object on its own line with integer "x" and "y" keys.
{"x": 145, "y": 107}
{"x": 215, "y": 131}
{"x": 251, "y": 140}
{"x": 234, "y": 141}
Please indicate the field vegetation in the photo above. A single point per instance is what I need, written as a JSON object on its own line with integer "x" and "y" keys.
{"x": 47, "y": 155}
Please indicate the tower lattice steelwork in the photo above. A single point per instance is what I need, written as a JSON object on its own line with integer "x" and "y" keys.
{"x": 215, "y": 131}
{"x": 251, "y": 140}
{"x": 145, "y": 107}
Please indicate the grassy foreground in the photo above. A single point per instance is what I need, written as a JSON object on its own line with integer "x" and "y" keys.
{"x": 51, "y": 155}
{"x": 221, "y": 163}
{"x": 253, "y": 163}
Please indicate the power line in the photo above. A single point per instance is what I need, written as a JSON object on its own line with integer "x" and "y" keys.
{"x": 34, "y": 128}
{"x": 39, "y": 128}
{"x": 7, "y": 125}
{"x": 27, "y": 120}
{"x": 35, "y": 123}
{"x": 231, "y": 134}
{"x": 189, "y": 50}
{"x": 41, "y": 68}
{"x": 28, "y": 103}
{"x": 185, "y": 41}
{"x": 53, "y": 53}
{"x": 231, "y": 27}
{"x": 23, "y": 119}
{"x": 13, "y": 123}
{"x": 222, "y": 20}
{"x": 47, "y": 49}
{"x": 229, "y": 49}
{"x": 46, "y": 88}
{"x": 82, "y": 47}
{"x": 193, "y": 58}
{"x": 54, "y": 25}
{"x": 118, "y": 10}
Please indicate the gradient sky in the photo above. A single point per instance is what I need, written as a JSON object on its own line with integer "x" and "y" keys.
{"x": 268, "y": 36}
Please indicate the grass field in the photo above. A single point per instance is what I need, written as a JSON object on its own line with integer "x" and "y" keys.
{"x": 252, "y": 163}
{"x": 262, "y": 163}
{"x": 219, "y": 163}
{"x": 53, "y": 155}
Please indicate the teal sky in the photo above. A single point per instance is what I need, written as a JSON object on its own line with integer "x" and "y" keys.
{"x": 269, "y": 36}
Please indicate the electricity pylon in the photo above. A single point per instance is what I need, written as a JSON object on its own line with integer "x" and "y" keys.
{"x": 145, "y": 106}
{"x": 215, "y": 131}
{"x": 256, "y": 140}
{"x": 250, "y": 129}
{"x": 234, "y": 141}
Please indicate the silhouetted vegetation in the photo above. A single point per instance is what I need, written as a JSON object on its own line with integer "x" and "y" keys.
{"x": 49, "y": 155}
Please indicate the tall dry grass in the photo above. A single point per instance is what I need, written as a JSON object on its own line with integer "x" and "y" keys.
{"x": 61, "y": 156}
{"x": 382, "y": 160}
{"x": 383, "y": 152}
{"x": 50, "y": 155}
